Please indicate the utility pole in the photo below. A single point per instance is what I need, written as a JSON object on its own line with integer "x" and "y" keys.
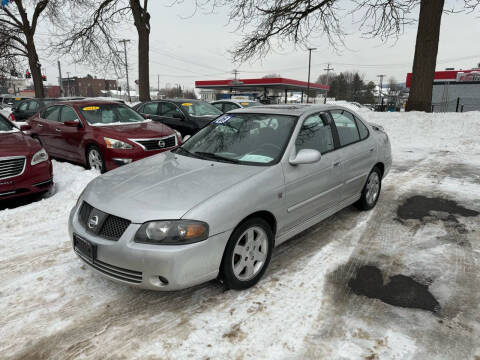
{"x": 68, "y": 84}
{"x": 380, "y": 88}
{"x": 328, "y": 69}
{"x": 62, "y": 91}
{"x": 309, "y": 65}
{"x": 124, "y": 41}
{"x": 158, "y": 87}
{"x": 235, "y": 72}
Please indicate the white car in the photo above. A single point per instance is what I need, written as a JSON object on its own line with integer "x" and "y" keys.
{"x": 233, "y": 104}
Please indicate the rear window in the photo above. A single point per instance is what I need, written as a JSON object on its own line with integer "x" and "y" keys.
{"x": 110, "y": 114}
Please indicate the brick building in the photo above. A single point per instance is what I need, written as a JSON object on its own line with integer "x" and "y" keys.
{"x": 88, "y": 86}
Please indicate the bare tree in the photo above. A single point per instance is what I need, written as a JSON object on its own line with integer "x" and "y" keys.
{"x": 18, "y": 33}
{"x": 298, "y": 21}
{"x": 93, "y": 37}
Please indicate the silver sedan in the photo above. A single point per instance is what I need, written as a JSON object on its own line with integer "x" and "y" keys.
{"x": 218, "y": 205}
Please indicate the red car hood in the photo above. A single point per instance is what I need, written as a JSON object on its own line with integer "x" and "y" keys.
{"x": 145, "y": 130}
{"x": 17, "y": 143}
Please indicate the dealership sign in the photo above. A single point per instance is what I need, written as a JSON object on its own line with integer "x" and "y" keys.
{"x": 470, "y": 76}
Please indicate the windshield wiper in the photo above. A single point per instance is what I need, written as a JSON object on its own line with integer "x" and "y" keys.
{"x": 216, "y": 157}
{"x": 188, "y": 153}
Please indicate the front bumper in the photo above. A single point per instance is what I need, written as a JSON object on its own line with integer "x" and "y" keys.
{"x": 35, "y": 179}
{"x": 117, "y": 157}
{"x": 148, "y": 266}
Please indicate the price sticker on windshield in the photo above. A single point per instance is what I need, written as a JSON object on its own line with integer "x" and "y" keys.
{"x": 244, "y": 104}
{"x": 187, "y": 104}
{"x": 223, "y": 119}
{"x": 91, "y": 108}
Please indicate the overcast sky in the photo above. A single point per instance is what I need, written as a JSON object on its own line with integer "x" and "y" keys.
{"x": 186, "y": 48}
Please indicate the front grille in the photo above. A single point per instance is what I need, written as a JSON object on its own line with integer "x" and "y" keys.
{"x": 112, "y": 228}
{"x": 131, "y": 276}
{"x": 157, "y": 144}
{"x": 11, "y": 166}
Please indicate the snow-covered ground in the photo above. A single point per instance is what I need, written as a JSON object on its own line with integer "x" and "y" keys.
{"x": 53, "y": 306}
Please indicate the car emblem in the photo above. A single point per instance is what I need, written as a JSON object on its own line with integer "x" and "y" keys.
{"x": 161, "y": 144}
{"x": 93, "y": 222}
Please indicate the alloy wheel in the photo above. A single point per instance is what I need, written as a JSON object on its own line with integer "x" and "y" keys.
{"x": 373, "y": 188}
{"x": 95, "y": 160}
{"x": 250, "y": 253}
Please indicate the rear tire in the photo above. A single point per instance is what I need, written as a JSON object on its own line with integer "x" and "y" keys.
{"x": 371, "y": 190}
{"x": 247, "y": 254}
{"x": 95, "y": 160}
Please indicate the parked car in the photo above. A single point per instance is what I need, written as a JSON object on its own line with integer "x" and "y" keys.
{"x": 217, "y": 205}
{"x": 230, "y": 104}
{"x": 99, "y": 134}
{"x": 29, "y": 107}
{"x": 185, "y": 115}
{"x": 25, "y": 167}
{"x": 11, "y": 100}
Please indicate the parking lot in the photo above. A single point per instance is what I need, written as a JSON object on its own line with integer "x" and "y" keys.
{"x": 425, "y": 227}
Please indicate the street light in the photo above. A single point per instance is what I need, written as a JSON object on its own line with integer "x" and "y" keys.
{"x": 309, "y": 65}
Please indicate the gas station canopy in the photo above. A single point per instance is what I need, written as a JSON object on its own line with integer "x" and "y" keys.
{"x": 260, "y": 84}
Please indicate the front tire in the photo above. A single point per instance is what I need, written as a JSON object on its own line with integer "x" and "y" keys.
{"x": 371, "y": 190}
{"x": 95, "y": 160}
{"x": 247, "y": 254}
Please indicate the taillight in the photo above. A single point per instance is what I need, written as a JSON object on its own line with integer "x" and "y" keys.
{"x": 11, "y": 117}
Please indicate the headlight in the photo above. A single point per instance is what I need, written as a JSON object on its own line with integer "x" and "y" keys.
{"x": 39, "y": 157}
{"x": 116, "y": 144}
{"x": 172, "y": 232}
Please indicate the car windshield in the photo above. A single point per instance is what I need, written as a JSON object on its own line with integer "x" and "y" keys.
{"x": 5, "y": 125}
{"x": 110, "y": 114}
{"x": 200, "y": 109}
{"x": 254, "y": 139}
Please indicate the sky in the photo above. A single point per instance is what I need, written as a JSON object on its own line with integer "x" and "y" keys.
{"x": 185, "y": 48}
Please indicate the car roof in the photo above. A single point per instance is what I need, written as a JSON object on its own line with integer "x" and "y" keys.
{"x": 287, "y": 109}
{"x": 86, "y": 102}
{"x": 237, "y": 101}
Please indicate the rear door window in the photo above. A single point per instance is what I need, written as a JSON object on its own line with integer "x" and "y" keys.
{"x": 23, "y": 106}
{"x": 52, "y": 113}
{"x": 150, "y": 108}
{"x": 362, "y": 129}
{"x": 346, "y": 127}
{"x": 33, "y": 106}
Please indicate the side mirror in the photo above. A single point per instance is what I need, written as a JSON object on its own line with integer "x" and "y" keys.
{"x": 185, "y": 138}
{"x": 72, "y": 123}
{"x": 25, "y": 127}
{"x": 13, "y": 109}
{"x": 306, "y": 156}
{"x": 178, "y": 116}
{"x": 146, "y": 116}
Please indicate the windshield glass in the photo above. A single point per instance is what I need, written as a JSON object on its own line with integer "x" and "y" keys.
{"x": 255, "y": 139}
{"x": 110, "y": 114}
{"x": 200, "y": 109}
{"x": 6, "y": 125}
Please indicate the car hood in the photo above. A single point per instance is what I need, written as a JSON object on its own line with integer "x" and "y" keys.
{"x": 143, "y": 130}
{"x": 17, "y": 143}
{"x": 164, "y": 186}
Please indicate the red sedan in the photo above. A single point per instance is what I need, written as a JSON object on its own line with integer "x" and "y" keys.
{"x": 101, "y": 135}
{"x": 24, "y": 164}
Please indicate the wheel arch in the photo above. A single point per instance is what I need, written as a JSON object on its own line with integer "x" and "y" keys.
{"x": 265, "y": 215}
{"x": 381, "y": 166}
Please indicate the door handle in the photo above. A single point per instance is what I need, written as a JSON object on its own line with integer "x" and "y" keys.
{"x": 58, "y": 130}
{"x": 40, "y": 125}
{"x": 372, "y": 149}
{"x": 335, "y": 164}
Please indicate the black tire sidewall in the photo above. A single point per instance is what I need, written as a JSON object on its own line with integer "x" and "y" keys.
{"x": 95, "y": 147}
{"x": 226, "y": 270}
